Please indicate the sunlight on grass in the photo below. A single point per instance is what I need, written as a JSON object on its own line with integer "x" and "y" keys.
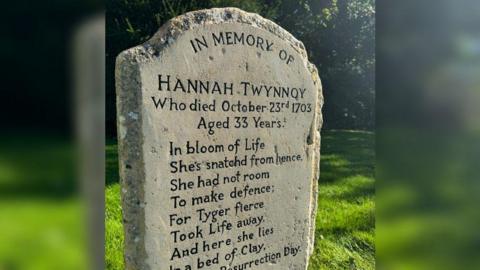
{"x": 42, "y": 234}
{"x": 42, "y": 216}
{"x": 345, "y": 226}
{"x": 428, "y": 202}
{"x": 113, "y": 229}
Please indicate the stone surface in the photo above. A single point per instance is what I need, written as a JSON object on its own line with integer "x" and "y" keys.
{"x": 218, "y": 123}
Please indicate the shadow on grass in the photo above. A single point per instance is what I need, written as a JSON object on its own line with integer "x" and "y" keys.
{"x": 345, "y": 223}
{"x": 358, "y": 189}
{"x": 346, "y": 154}
{"x": 37, "y": 167}
{"x": 111, "y": 163}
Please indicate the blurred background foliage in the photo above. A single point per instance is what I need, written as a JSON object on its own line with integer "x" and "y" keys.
{"x": 428, "y": 134}
{"x": 35, "y": 49}
{"x": 43, "y": 213}
{"x": 339, "y": 36}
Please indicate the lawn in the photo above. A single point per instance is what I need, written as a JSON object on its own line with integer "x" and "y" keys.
{"x": 42, "y": 216}
{"x": 42, "y": 234}
{"x": 345, "y": 226}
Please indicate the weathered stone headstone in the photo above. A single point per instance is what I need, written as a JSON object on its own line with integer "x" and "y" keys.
{"x": 218, "y": 123}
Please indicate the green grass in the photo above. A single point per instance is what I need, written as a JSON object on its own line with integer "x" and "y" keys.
{"x": 42, "y": 234}
{"x": 42, "y": 216}
{"x": 345, "y": 226}
{"x": 37, "y": 167}
{"x": 428, "y": 199}
{"x": 113, "y": 229}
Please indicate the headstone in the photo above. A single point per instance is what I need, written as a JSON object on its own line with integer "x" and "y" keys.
{"x": 88, "y": 57}
{"x": 219, "y": 144}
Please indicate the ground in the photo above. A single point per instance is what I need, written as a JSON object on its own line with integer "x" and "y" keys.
{"x": 42, "y": 219}
{"x": 345, "y": 226}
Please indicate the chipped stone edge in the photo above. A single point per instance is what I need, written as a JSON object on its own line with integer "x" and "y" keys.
{"x": 131, "y": 163}
{"x": 129, "y": 120}
{"x": 317, "y": 126}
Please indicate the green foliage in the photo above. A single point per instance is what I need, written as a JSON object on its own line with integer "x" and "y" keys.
{"x": 338, "y": 35}
{"x": 345, "y": 226}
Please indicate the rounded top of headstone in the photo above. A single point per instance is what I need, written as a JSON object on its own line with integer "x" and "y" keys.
{"x": 171, "y": 30}
{"x": 221, "y": 110}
